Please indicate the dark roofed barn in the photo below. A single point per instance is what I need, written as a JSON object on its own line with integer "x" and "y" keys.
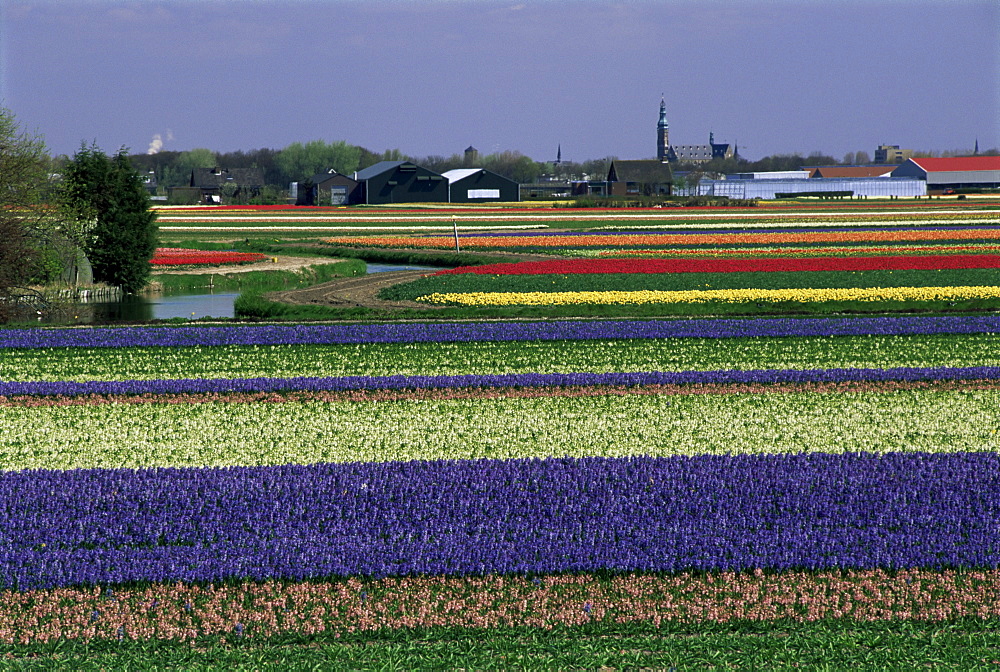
{"x": 330, "y": 188}
{"x": 640, "y": 178}
{"x": 401, "y": 182}
{"x": 476, "y": 185}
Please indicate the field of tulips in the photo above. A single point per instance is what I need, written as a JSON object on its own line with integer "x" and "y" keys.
{"x": 757, "y": 487}
{"x": 623, "y": 479}
{"x": 176, "y": 256}
{"x": 842, "y": 267}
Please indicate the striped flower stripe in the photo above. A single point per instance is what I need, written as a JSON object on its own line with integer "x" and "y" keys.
{"x": 168, "y": 611}
{"x": 705, "y": 513}
{"x": 401, "y": 382}
{"x": 868, "y": 294}
{"x": 661, "y": 239}
{"x": 128, "y": 337}
{"x": 874, "y": 417}
{"x": 793, "y": 251}
{"x": 176, "y": 256}
{"x": 590, "y": 266}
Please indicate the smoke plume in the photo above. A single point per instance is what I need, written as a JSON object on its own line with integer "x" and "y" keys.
{"x": 156, "y": 144}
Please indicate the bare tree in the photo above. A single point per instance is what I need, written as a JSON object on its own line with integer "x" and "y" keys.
{"x": 23, "y": 176}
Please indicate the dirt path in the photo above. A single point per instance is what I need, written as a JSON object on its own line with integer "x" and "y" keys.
{"x": 283, "y": 263}
{"x": 362, "y": 291}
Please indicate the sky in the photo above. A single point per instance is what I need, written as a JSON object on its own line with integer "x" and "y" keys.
{"x": 432, "y": 77}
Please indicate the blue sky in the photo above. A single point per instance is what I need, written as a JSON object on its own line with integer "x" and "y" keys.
{"x": 435, "y": 76}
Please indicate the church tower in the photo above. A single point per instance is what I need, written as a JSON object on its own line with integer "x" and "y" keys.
{"x": 662, "y": 133}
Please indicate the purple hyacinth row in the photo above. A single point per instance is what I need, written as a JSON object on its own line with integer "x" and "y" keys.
{"x": 404, "y": 382}
{"x": 733, "y": 513}
{"x": 109, "y": 337}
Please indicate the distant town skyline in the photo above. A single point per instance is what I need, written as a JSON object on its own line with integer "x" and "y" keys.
{"x": 436, "y": 76}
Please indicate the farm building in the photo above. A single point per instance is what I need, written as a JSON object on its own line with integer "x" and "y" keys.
{"x": 960, "y": 172}
{"x": 220, "y": 185}
{"x": 892, "y": 154}
{"x": 645, "y": 177}
{"x": 330, "y": 188}
{"x": 476, "y": 185}
{"x": 876, "y": 187}
{"x": 401, "y": 182}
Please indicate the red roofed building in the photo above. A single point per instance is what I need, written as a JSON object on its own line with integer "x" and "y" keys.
{"x": 959, "y": 172}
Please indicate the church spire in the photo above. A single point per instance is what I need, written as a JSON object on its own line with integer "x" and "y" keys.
{"x": 662, "y": 132}
{"x": 976, "y": 151}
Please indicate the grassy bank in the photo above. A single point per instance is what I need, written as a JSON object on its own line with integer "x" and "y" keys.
{"x": 260, "y": 281}
{"x": 254, "y": 306}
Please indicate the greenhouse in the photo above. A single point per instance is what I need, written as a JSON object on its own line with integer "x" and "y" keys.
{"x": 875, "y": 187}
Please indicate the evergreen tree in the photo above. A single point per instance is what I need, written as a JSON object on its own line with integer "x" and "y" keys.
{"x": 106, "y": 198}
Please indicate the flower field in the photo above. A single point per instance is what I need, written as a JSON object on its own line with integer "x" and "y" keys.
{"x": 175, "y": 256}
{"x": 730, "y": 482}
{"x": 762, "y": 267}
{"x": 245, "y": 482}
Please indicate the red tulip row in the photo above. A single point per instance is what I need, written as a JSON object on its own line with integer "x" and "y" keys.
{"x": 594, "y": 266}
{"x": 175, "y": 256}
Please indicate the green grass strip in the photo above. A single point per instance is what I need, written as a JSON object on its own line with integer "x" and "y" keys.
{"x": 967, "y": 644}
{"x": 261, "y": 281}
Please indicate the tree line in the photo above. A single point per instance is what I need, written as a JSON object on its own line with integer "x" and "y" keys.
{"x": 93, "y": 218}
{"x": 299, "y": 162}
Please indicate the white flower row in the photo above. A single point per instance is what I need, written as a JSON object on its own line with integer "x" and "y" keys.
{"x": 232, "y": 434}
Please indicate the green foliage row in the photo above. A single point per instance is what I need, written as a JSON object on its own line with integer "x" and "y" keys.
{"x": 255, "y": 306}
{"x": 964, "y": 644}
{"x": 482, "y": 357}
{"x": 581, "y": 282}
{"x": 260, "y": 308}
{"x": 415, "y": 257}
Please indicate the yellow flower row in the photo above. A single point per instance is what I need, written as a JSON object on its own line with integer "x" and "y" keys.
{"x": 706, "y": 296}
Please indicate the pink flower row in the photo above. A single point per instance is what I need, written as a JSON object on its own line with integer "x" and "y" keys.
{"x": 185, "y": 612}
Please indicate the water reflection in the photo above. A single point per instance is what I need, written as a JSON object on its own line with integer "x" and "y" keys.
{"x": 191, "y": 305}
{"x": 152, "y": 307}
